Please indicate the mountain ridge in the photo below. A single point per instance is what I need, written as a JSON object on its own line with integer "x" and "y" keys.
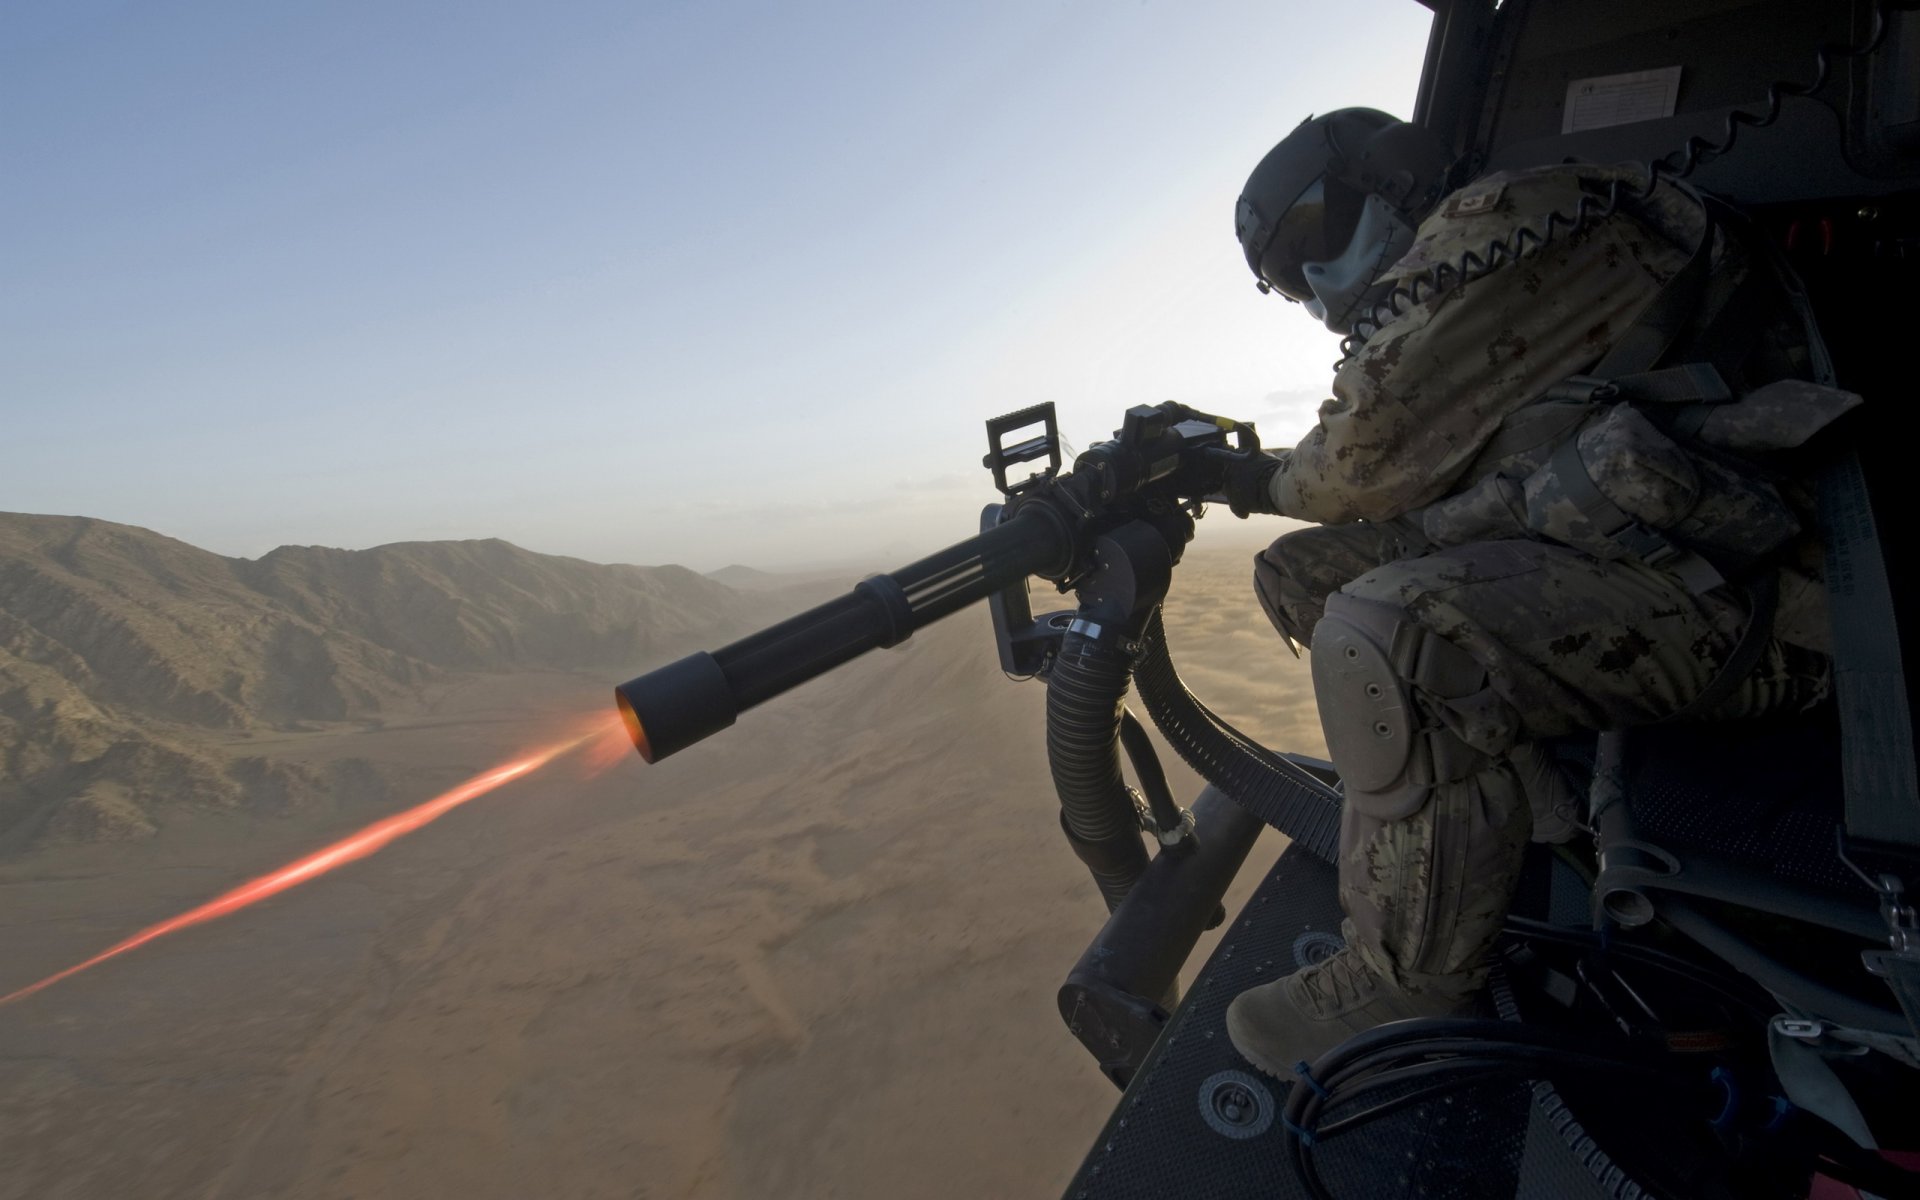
{"x": 124, "y": 651}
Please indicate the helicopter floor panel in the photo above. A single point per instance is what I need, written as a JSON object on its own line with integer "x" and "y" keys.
{"x": 1200, "y": 1121}
{"x": 1764, "y": 794}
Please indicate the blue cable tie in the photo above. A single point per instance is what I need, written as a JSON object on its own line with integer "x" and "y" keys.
{"x": 1782, "y": 1109}
{"x": 1305, "y": 1072}
{"x": 1725, "y": 1079}
{"x": 1305, "y": 1135}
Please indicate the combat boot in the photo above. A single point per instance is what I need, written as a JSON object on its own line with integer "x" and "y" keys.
{"x": 1301, "y": 1017}
{"x": 1433, "y": 827}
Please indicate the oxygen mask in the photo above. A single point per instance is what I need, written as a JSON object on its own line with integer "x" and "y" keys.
{"x": 1345, "y": 288}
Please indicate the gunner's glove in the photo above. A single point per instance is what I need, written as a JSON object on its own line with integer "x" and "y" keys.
{"x": 1245, "y": 480}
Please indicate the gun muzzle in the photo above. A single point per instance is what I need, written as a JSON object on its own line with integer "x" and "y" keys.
{"x": 671, "y": 708}
{"x": 674, "y": 707}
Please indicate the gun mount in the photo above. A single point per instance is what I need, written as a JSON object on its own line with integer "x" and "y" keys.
{"x": 1152, "y": 475}
{"x": 1111, "y": 531}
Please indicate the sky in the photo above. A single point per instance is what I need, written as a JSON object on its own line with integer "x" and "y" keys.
{"x": 676, "y": 281}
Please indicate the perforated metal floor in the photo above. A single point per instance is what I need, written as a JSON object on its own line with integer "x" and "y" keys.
{"x": 1765, "y": 794}
{"x": 1200, "y": 1121}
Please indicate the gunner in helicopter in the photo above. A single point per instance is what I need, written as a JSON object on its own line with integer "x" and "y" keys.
{"x": 1536, "y": 513}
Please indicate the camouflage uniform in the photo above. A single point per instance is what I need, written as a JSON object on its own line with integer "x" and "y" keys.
{"x": 1445, "y": 534}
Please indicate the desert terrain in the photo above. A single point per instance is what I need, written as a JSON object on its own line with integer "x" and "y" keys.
{"x": 814, "y": 956}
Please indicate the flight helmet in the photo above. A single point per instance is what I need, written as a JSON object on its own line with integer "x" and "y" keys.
{"x": 1335, "y": 204}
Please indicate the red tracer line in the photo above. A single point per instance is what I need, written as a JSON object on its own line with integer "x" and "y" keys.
{"x": 346, "y": 850}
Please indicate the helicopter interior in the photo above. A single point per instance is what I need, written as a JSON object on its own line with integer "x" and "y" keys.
{"x": 1745, "y": 890}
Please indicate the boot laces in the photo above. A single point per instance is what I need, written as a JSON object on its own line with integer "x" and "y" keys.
{"x": 1339, "y": 982}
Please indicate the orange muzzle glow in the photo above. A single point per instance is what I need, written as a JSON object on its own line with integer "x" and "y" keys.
{"x": 636, "y": 732}
{"x": 354, "y": 846}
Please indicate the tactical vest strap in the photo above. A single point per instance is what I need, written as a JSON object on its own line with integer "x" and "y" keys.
{"x": 1740, "y": 313}
{"x": 1672, "y": 309}
{"x": 1683, "y": 424}
{"x": 1687, "y": 383}
{"x": 1538, "y": 424}
{"x": 1876, "y": 722}
{"x": 1635, "y": 537}
{"x": 1877, "y": 729}
{"x": 1678, "y": 398}
{"x": 1763, "y": 600}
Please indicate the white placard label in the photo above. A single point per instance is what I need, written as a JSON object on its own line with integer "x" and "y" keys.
{"x": 1605, "y": 100}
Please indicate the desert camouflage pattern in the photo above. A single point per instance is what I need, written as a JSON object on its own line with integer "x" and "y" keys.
{"x": 1775, "y": 416}
{"x": 1294, "y": 576}
{"x": 1569, "y": 642}
{"x": 1412, "y": 410}
{"x": 1425, "y": 895}
{"x": 1642, "y": 471}
{"x": 1431, "y": 471}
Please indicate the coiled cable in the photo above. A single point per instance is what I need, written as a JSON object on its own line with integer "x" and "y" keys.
{"x": 1532, "y": 238}
{"x": 1445, "y": 1054}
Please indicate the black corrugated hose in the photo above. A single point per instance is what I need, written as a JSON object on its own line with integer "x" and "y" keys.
{"x": 1085, "y": 690}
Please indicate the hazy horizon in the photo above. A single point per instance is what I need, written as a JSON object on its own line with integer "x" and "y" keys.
{"x": 1224, "y": 533}
{"x": 706, "y": 284}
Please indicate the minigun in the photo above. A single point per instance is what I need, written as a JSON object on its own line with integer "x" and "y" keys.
{"x": 1110, "y": 530}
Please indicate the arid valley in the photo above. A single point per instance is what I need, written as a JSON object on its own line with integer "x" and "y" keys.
{"x": 815, "y": 956}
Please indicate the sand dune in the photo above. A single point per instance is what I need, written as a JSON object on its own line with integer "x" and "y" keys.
{"x": 1229, "y": 654}
{"x": 815, "y": 956}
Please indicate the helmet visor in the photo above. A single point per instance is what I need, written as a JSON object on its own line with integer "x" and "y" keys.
{"x": 1315, "y": 228}
{"x": 1299, "y": 236}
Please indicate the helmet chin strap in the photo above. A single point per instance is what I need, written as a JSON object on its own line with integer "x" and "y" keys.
{"x": 1342, "y": 287}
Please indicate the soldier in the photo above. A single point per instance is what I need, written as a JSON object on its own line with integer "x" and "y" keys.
{"x": 1534, "y": 517}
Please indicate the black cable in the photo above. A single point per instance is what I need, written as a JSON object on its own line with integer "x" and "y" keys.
{"x": 1463, "y": 1053}
{"x": 1531, "y": 1057}
{"x": 1365, "y": 1063}
{"x": 1455, "y": 1073}
{"x": 1458, "y": 1071}
{"x": 1147, "y": 769}
{"x": 1726, "y": 985}
{"x": 1304, "y": 1105}
{"x": 1283, "y": 794}
{"x": 1429, "y": 1029}
{"x": 1457, "y": 1076}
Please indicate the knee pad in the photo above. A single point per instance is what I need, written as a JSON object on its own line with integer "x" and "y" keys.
{"x": 1368, "y": 660}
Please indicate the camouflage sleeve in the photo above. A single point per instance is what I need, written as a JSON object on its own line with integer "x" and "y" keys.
{"x": 1414, "y": 406}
